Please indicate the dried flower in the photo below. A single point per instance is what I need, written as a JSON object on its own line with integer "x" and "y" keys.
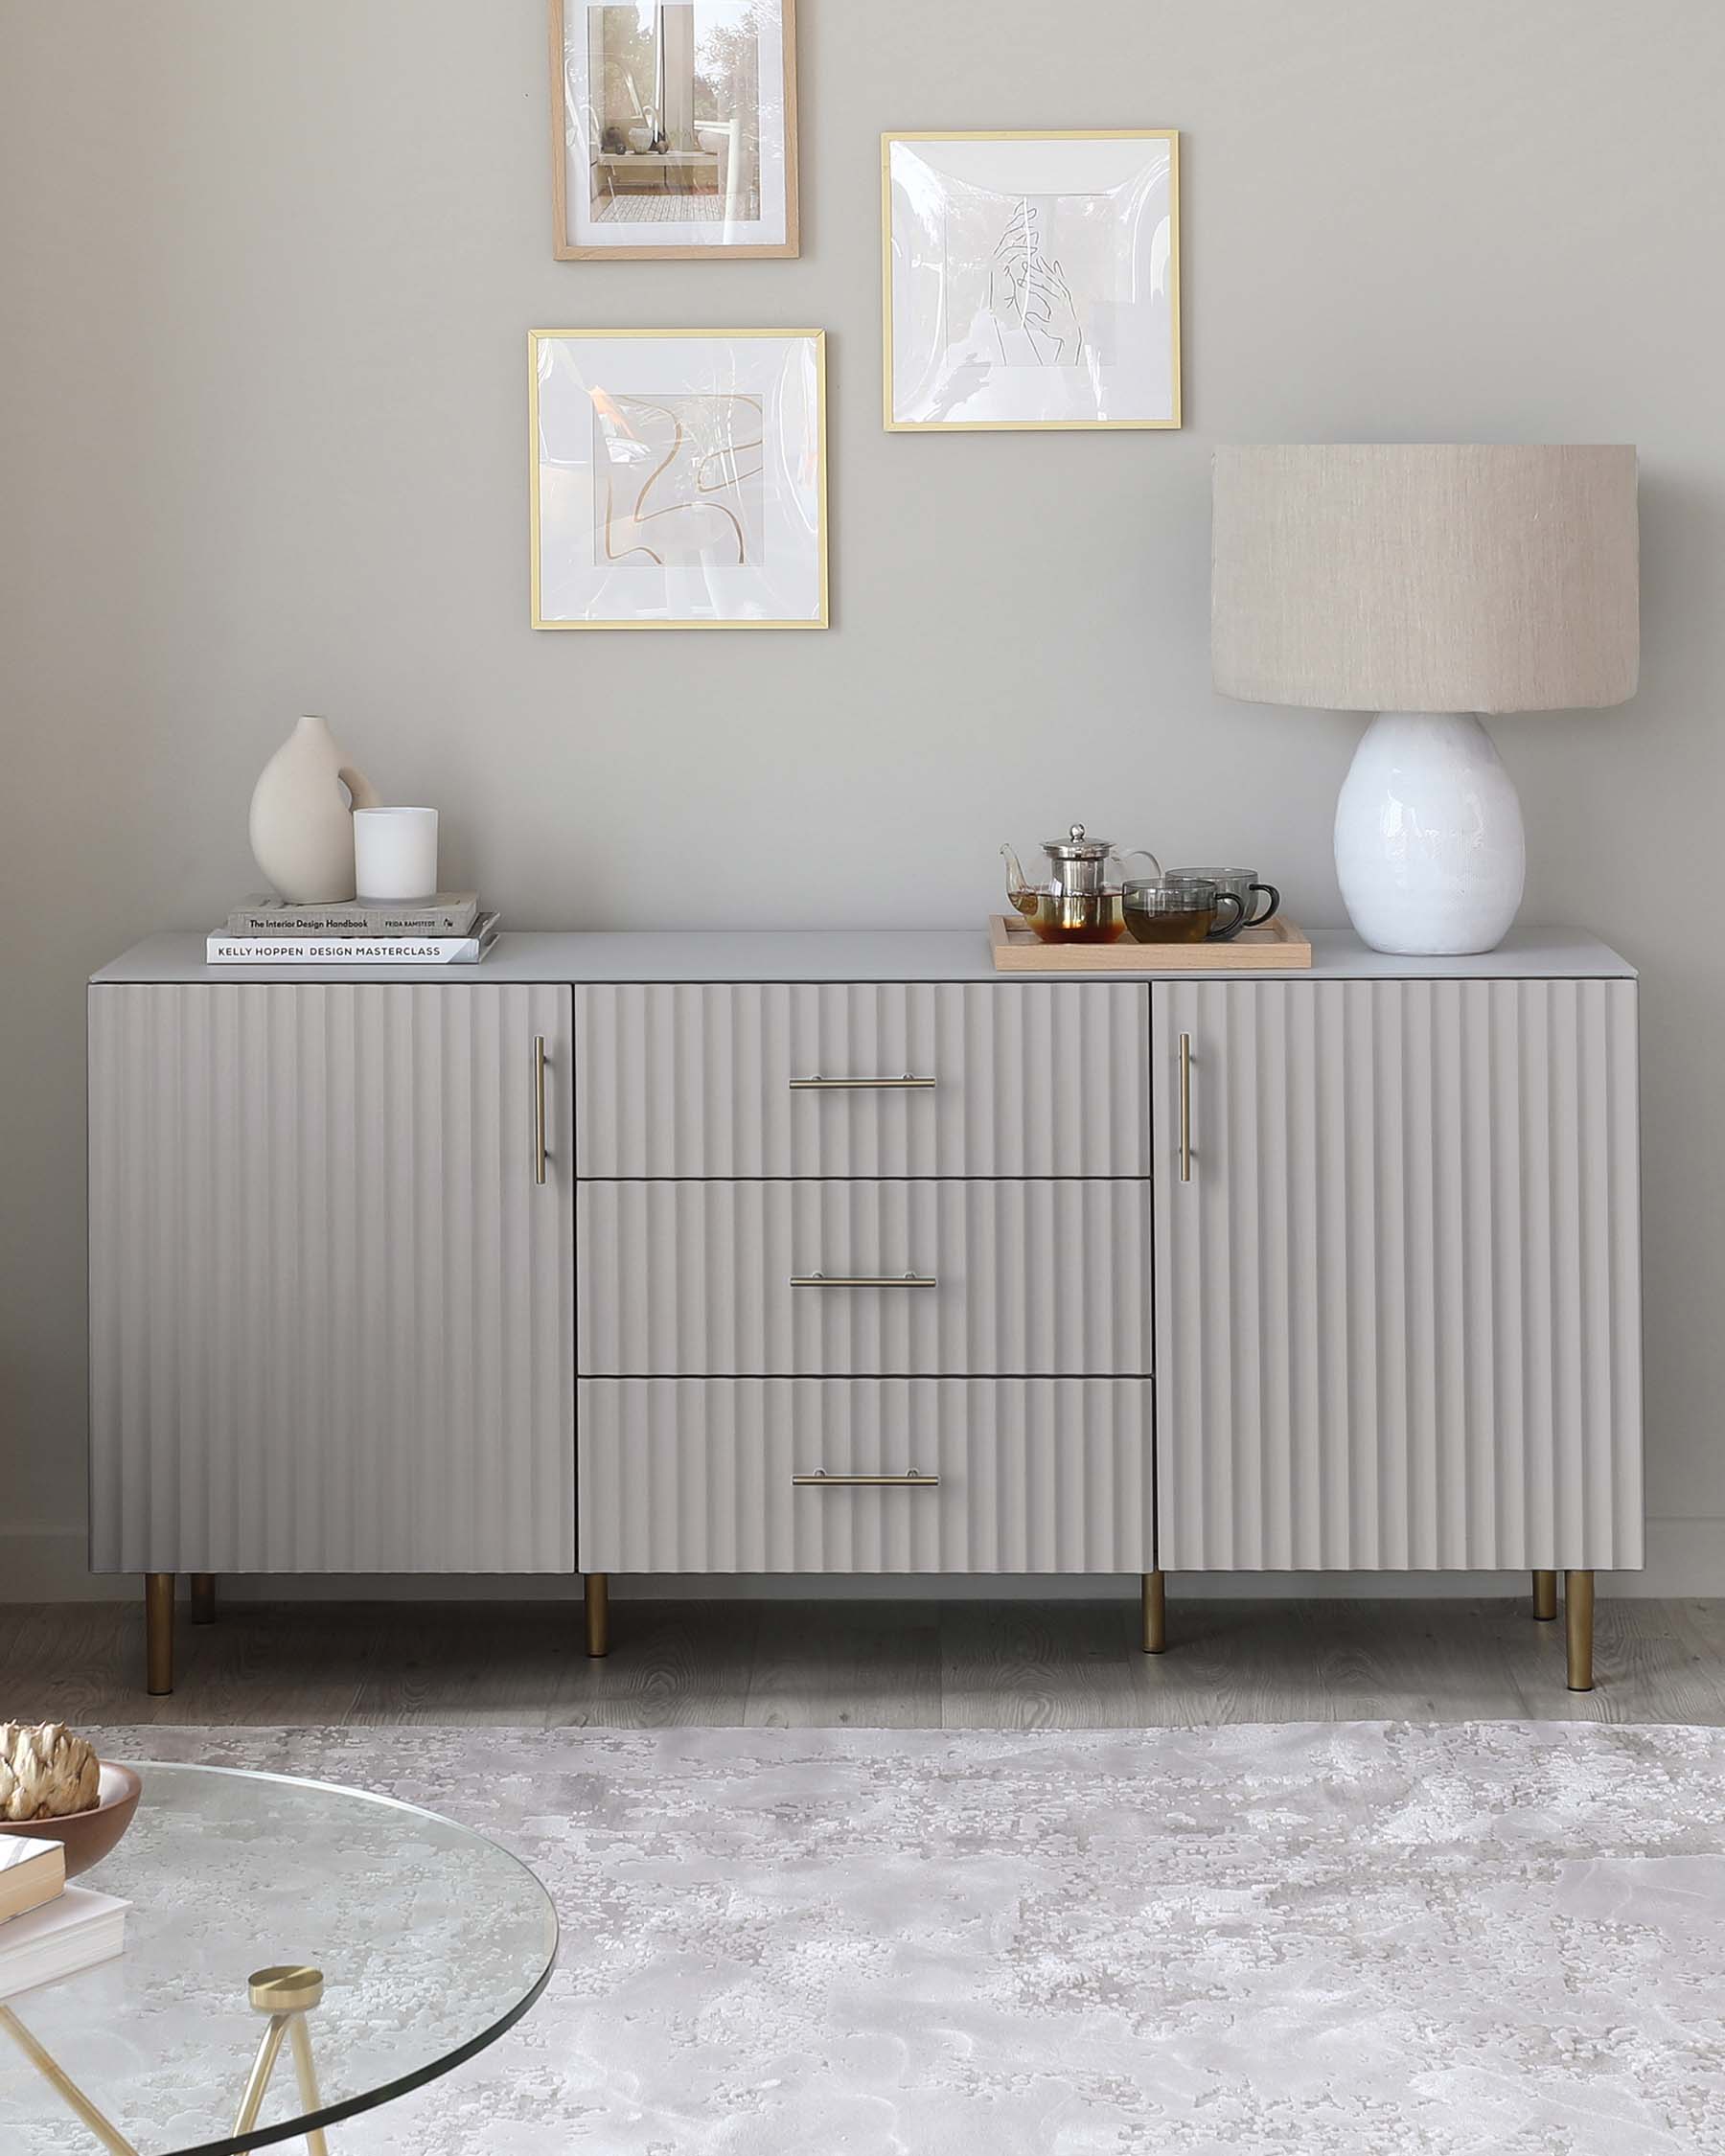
{"x": 46, "y": 1771}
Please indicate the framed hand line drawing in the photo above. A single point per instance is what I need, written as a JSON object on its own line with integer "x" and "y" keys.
{"x": 1031, "y": 280}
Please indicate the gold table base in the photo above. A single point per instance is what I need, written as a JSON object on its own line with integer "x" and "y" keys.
{"x": 286, "y": 1993}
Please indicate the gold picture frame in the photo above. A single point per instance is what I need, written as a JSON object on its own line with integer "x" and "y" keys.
{"x": 566, "y": 249}
{"x": 896, "y": 426}
{"x": 821, "y": 617}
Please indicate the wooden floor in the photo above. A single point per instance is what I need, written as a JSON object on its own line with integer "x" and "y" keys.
{"x": 865, "y": 1664}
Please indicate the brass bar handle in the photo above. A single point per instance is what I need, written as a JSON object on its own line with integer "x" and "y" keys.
{"x": 539, "y": 1108}
{"x": 911, "y": 1479}
{"x": 817, "y": 1084}
{"x": 1185, "y": 1108}
{"x": 863, "y": 1280}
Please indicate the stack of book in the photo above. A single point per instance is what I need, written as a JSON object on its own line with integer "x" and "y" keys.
{"x": 448, "y": 930}
{"x": 49, "y": 1930}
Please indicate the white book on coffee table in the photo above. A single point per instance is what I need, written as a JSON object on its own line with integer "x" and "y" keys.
{"x": 76, "y": 1930}
{"x": 33, "y": 1871}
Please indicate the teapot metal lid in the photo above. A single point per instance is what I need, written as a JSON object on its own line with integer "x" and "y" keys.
{"x": 1075, "y": 846}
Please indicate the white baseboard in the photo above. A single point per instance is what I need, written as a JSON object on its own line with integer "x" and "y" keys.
{"x": 1685, "y": 1558}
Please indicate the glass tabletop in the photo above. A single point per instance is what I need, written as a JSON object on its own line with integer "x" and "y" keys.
{"x": 431, "y": 1942}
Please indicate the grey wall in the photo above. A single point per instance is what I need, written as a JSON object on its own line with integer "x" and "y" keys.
{"x": 268, "y": 274}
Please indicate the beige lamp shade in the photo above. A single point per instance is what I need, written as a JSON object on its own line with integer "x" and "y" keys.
{"x": 1422, "y": 577}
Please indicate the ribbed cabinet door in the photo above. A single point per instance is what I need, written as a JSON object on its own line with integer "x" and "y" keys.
{"x": 331, "y": 1311}
{"x": 1397, "y": 1303}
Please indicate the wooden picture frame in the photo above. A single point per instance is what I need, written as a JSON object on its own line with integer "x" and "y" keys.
{"x": 759, "y": 196}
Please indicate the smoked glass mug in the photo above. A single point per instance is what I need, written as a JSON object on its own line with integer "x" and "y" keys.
{"x": 1180, "y": 909}
{"x": 1242, "y": 883}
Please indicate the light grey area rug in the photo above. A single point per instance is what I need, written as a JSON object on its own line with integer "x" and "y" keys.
{"x": 1363, "y": 1939}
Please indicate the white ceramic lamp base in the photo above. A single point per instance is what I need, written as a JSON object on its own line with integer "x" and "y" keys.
{"x": 1430, "y": 851}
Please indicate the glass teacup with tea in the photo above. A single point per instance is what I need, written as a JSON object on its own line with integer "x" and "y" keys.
{"x": 1074, "y": 902}
{"x": 1180, "y": 909}
{"x": 1247, "y": 887}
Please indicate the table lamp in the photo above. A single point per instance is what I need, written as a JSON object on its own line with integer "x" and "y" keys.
{"x": 1427, "y": 584}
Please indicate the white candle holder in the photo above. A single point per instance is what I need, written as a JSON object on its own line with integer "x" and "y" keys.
{"x": 395, "y": 854}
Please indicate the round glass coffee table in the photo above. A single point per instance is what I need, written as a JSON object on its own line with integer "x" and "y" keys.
{"x": 295, "y": 1953}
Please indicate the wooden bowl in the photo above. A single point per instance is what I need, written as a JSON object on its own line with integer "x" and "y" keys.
{"x": 88, "y": 1835}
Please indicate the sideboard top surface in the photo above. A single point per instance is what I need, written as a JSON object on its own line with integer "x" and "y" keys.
{"x": 887, "y": 954}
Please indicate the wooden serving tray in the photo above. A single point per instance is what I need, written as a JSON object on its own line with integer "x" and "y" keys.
{"x": 1280, "y": 946}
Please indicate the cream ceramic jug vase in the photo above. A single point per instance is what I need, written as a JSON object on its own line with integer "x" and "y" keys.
{"x": 302, "y": 824}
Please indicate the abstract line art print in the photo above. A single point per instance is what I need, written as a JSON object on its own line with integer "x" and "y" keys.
{"x": 678, "y": 480}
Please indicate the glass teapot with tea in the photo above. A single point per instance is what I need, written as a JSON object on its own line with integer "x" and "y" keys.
{"x": 1078, "y": 899}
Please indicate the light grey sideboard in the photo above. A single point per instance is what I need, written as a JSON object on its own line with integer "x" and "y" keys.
{"x": 841, "y": 1255}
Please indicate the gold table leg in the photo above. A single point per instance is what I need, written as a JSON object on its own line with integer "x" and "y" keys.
{"x": 598, "y": 1613}
{"x": 203, "y": 1597}
{"x": 300, "y": 2037}
{"x": 1578, "y": 1629}
{"x": 287, "y": 1994}
{"x": 158, "y": 1633}
{"x": 1545, "y": 1596}
{"x": 263, "y": 2067}
{"x": 70, "y": 2094}
{"x": 1154, "y": 1599}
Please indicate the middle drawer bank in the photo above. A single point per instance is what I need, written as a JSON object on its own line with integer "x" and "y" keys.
{"x": 759, "y": 1166}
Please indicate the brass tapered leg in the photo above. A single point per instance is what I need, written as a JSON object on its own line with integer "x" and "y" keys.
{"x": 300, "y": 2037}
{"x": 290, "y": 2028}
{"x": 1545, "y": 1596}
{"x": 57, "y": 2078}
{"x": 1154, "y": 1597}
{"x": 1578, "y": 1629}
{"x": 257, "y": 2085}
{"x": 158, "y": 1633}
{"x": 598, "y": 1613}
{"x": 203, "y": 1597}
{"x": 286, "y": 1993}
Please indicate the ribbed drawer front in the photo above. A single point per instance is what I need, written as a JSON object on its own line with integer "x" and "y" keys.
{"x": 697, "y": 1476}
{"x": 693, "y": 1279}
{"x": 1043, "y": 1078}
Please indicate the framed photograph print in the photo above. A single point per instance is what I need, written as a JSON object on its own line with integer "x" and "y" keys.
{"x": 673, "y": 128}
{"x": 1031, "y": 280}
{"x": 677, "y": 478}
